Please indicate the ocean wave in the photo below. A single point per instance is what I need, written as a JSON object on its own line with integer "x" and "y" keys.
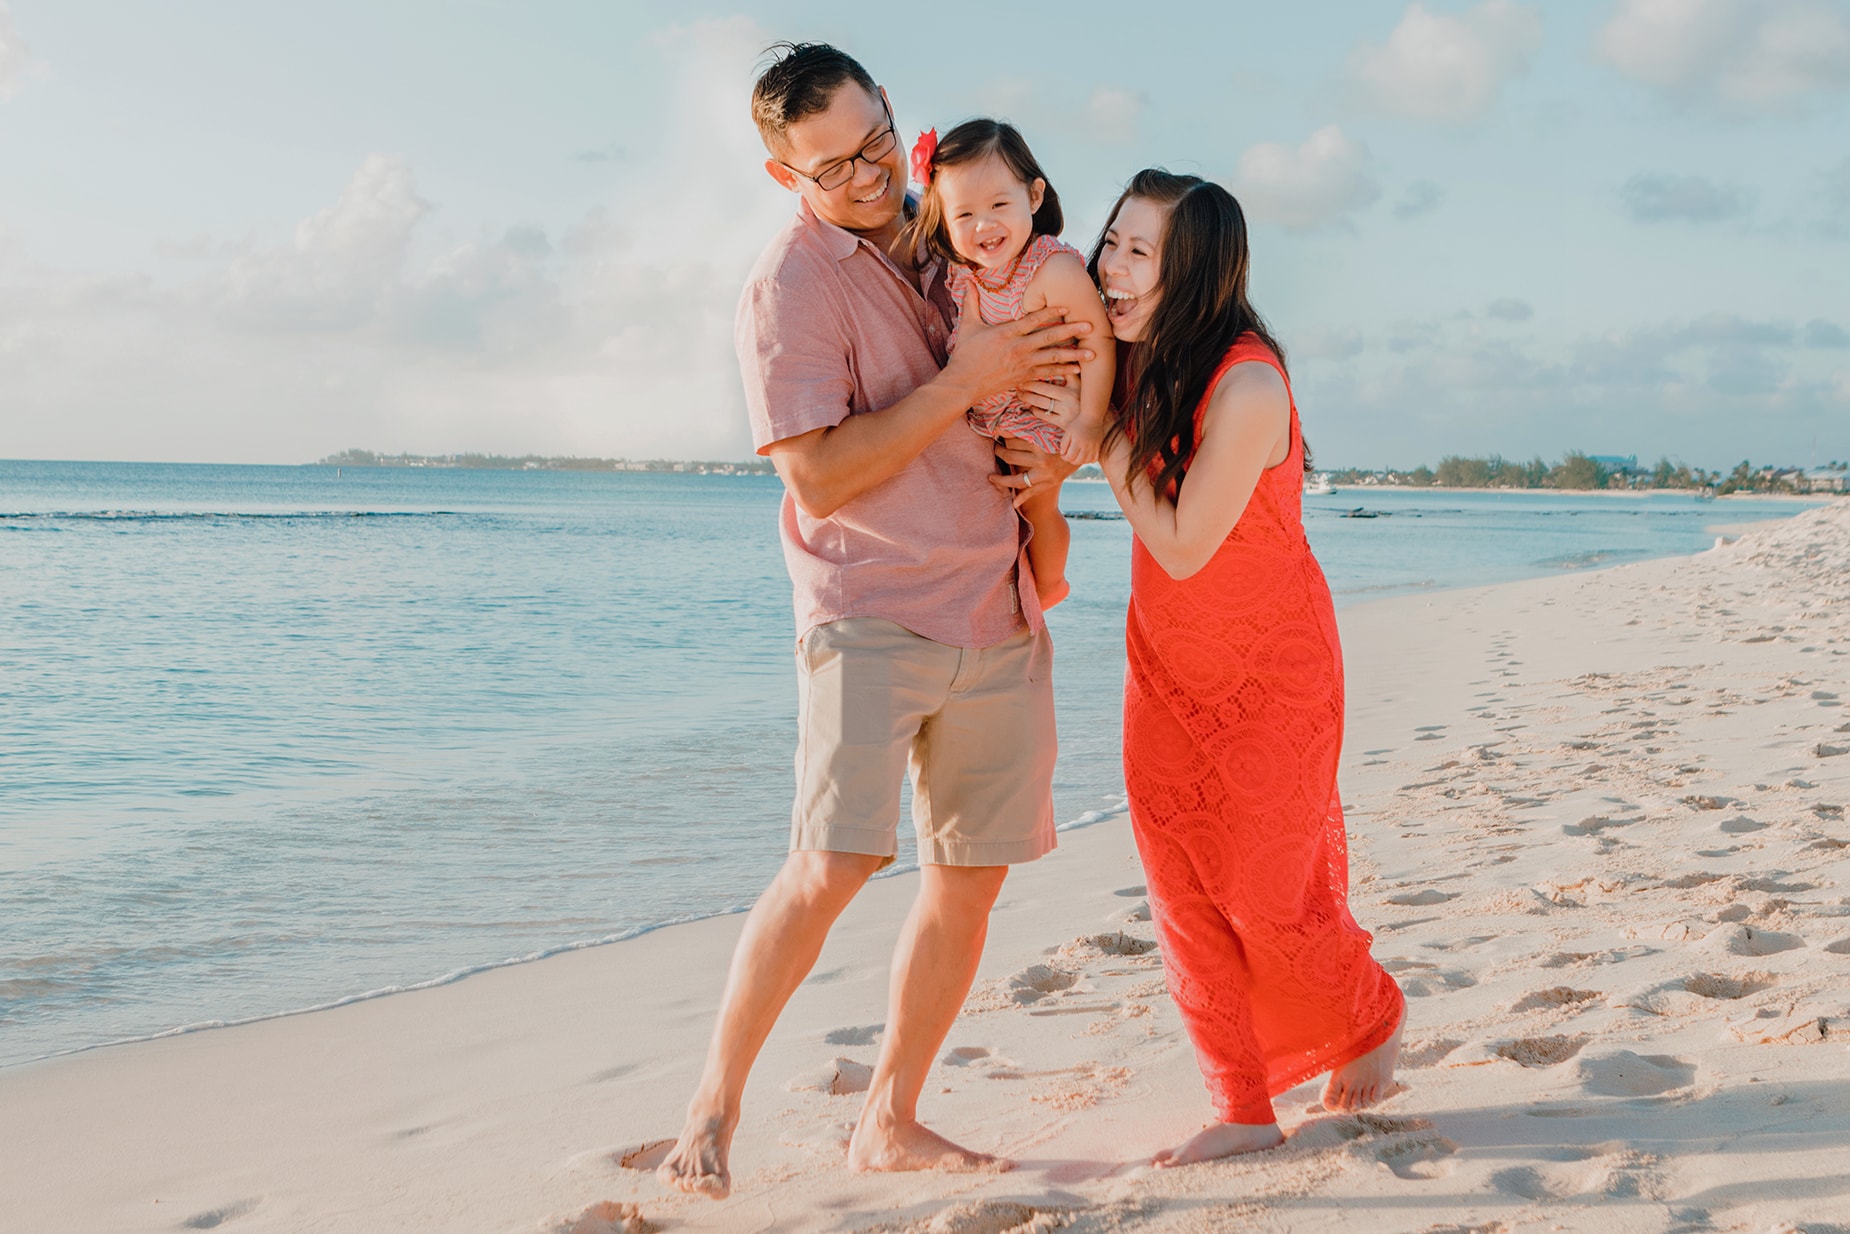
{"x": 162, "y": 516}
{"x": 1090, "y": 818}
{"x": 1588, "y": 559}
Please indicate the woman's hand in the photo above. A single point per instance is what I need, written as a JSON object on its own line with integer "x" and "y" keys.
{"x": 1037, "y": 476}
{"x": 1055, "y": 402}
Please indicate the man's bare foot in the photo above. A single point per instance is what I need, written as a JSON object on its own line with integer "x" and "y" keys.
{"x": 697, "y": 1163}
{"x": 1220, "y": 1140}
{"x": 914, "y": 1146}
{"x": 1362, "y": 1082}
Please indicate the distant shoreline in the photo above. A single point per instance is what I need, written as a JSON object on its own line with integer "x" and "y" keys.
{"x": 1343, "y": 490}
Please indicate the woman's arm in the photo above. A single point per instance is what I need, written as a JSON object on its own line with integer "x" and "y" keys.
{"x": 1246, "y": 428}
{"x": 1062, "y": 279}
{"x": 1039, "y": 504}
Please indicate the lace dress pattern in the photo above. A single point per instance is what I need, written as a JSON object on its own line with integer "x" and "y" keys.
{"x": 1233, "y": 725}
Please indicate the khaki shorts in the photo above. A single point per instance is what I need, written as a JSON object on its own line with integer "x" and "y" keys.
{"x": 975, "y": 724}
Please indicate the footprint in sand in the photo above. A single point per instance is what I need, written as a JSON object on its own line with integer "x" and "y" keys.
{"x": 1037, "y": 981}
{"x": 1117, "y": 943}
{"x": 1139, "y": 911}
{"x": 1417, "y": 1160}
{"x": 1735, "y": 938}
{"x": 1554, "y": 998}
{"x": 1419, "y": 1054}
{"x": 1418, "y": 978}
{"x": 838, "y": 1077}
{"x": 1839, "y": 947}
{"x": 862, "y": 1034}
{"x": 1128, "y": 892}
{"x": 1421, "y": 898}
{"x": 1527, "y": 1183}
{"x": 1621, "y": 1073}
{"x": 980, "y": 1057}
{"x": 1711, "y": 985}
{"x": 1741, "y": 825}
{"x": 607, "y": 1217}
{"x": 987, "y": 1217}
{"x": 212, "y": 1218}
{"x": 644, "y": 1157}
{"x": 1593, "y": 826}
{"x": 1540, "y": 1051}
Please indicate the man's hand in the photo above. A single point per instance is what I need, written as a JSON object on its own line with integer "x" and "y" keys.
{"x": 1037, "y": 477}
{"x": 992, "y": 359}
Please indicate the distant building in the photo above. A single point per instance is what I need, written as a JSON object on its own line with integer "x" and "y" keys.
{"x": 1825, "y": 480}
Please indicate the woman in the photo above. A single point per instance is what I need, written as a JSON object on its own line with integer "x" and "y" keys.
{"x": 1233, "y": 709}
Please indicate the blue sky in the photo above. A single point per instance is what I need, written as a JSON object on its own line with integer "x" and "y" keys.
{"x": 265, "y": 232}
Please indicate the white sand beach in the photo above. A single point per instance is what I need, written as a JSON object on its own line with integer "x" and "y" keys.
{"x": 1597, "y": 825}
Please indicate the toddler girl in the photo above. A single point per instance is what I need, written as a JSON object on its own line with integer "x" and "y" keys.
{"x": 986, "y": 210}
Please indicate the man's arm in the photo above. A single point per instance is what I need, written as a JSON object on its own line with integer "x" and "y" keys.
{"x": 826, "y": 468}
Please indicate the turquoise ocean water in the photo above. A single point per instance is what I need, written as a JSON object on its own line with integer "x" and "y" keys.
{"x": 275, "y": 737}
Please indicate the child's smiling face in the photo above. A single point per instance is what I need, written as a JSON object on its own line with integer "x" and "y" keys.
{"x": 988, "y": 211}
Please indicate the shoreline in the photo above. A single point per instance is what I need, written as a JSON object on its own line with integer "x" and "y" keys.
{"x": 1343, "y": 490}
{"x": 899, "y": 868}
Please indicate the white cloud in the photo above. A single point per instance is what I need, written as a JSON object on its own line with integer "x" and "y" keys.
{"x": 1743, "y": 55}
{"x": 1446, "y": 69}
{"x": 612, "y": 336}
{"x": 1309, "y": 186}
{"x": 16, "y": 62}
{"x": 343, "y": 260}
{"x": 1689, "y": 199}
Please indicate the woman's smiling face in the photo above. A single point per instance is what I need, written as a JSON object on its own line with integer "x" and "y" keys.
{"x": 1129, "y": 265}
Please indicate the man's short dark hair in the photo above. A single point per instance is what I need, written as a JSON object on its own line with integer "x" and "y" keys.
{"x": 800, "y": 82}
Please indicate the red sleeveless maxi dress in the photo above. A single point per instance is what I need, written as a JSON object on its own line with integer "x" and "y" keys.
{"x": 1233, "y": 725}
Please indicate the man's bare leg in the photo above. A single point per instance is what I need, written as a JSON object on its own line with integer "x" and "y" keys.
{"x": 932, "y": 970}
{"x": 783, "y": 935}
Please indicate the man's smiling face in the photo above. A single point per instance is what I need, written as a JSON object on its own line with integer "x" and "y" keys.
{"x": 855, "y": 123}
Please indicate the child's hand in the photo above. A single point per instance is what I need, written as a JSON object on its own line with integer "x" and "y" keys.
{"x": 1084, "y": 436}
{"x": 1080, "y": 447}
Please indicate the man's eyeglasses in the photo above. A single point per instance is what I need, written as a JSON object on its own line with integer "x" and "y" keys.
{"x": 839, "y": 173}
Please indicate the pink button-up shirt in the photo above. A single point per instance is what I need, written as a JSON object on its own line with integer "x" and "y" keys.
{"x": 828, "y": 327}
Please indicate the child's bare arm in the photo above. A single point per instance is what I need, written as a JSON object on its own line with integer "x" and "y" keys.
{"x": 1062, "y": 279}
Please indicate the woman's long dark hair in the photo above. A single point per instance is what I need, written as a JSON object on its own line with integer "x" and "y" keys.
{"x": 1201, "y": 308}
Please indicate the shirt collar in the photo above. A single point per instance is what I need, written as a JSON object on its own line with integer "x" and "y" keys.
{"x": 840, "y": 242}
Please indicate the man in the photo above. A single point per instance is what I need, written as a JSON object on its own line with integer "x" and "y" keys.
{"x": 920, "y": 637}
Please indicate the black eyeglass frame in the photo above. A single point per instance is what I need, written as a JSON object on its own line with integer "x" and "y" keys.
{"x": 859, "y": 156}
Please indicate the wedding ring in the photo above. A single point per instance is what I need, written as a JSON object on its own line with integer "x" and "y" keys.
{"x": 1027, "y": 479}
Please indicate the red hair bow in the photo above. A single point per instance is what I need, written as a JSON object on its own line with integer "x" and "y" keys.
{"x": 923, "y": 151}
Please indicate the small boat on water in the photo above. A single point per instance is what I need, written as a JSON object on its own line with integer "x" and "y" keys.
{"x": 1318, "y": 485}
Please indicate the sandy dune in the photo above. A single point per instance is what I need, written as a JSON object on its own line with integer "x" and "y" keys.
{"x": 1598, "y": 826}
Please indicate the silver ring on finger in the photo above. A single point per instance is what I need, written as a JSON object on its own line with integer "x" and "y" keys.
{"x": 1027, "y": 479}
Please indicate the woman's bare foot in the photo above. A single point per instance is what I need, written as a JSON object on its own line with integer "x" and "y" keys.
{"x": 914, "y": 1146}
{"x": 697, "y": 1163}
{"x": 1363, "y": 1081}
{"x": 1220, "y": 1140}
